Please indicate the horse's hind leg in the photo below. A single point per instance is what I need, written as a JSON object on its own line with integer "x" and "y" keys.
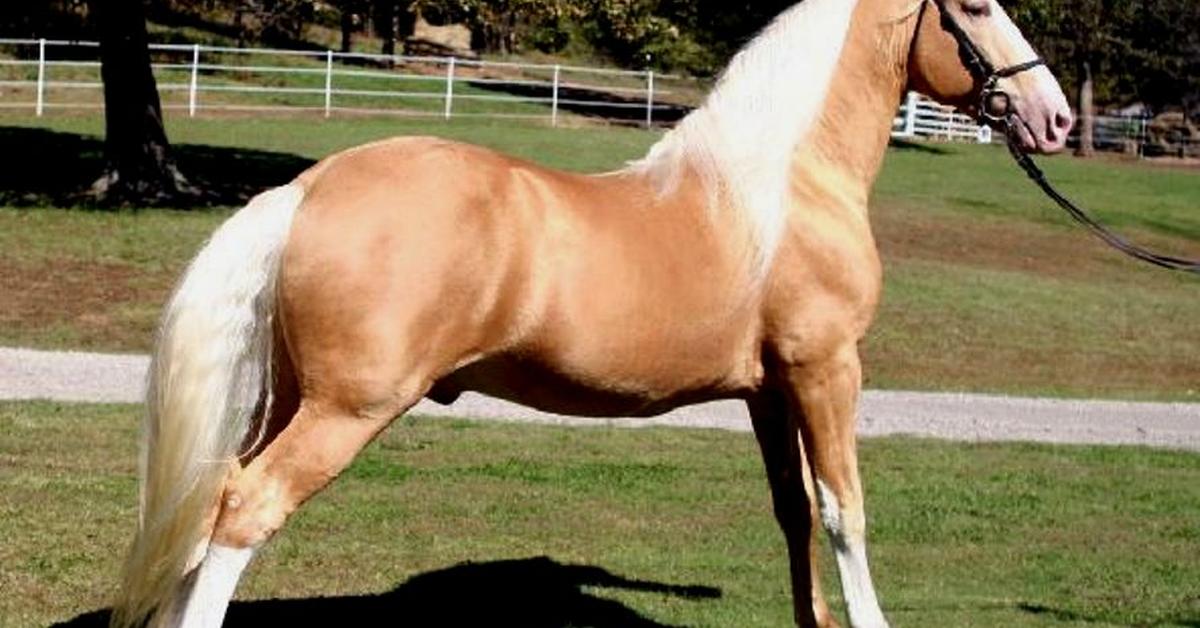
{"x": 315, "y": 446}
{"x": 794, "y": 499}
{"x": 825, "y": 396}
{"x": 319, "y": 443}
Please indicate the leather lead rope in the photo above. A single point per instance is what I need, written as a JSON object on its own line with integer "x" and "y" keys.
{"x": 1006, "y": 118}
{"x": 1082, "y": 217}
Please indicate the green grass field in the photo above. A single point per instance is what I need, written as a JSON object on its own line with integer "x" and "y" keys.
{"x": 639, "y": 528}
{"x": 989, "y": 288}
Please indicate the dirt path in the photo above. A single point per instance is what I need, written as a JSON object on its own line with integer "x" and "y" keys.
{"x": 89, "y": 377}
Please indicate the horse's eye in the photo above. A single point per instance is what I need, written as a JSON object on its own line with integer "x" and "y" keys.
{"x": 977, "y": 9}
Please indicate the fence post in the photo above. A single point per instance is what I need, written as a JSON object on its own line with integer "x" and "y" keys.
{"x": 328, "y": 82}
{"x": 192, "y": 88}
{"x": 450, "y": 87}
{"x": 1142, "y": 137}
{"x": 650, "y": 99}
{"x": 41, "y": 81}
{"x": 910, "y": 114}
{"x": 554, "y": 97}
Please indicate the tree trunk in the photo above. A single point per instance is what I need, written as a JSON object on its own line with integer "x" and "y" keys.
{"x": 347, "y": 28}
{"x": 138, "y": 166}
{"x": 385, "y": 25}
{"x": 406, "y": 21}
{"x": 239, "y": 25}
{"x": 1087, "y": 112}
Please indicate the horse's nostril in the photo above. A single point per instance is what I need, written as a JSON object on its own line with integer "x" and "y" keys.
{"x": 1063, "y": 121}
{"x": 1059, "y": 126}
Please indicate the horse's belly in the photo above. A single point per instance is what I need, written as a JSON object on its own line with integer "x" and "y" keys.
{"x": 642, "y": 386}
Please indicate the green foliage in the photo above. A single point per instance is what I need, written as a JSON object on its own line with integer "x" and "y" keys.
{"x": 278, "y": 20}
{"x": 66, "y": 19}
{"x": 1139, "y": 50}
{"x": 504, "y": 25}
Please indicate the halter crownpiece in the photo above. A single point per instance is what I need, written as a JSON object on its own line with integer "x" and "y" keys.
{"x": 1009, "y": 121}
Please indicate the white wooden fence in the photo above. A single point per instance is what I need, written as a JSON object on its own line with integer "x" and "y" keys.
{"x": 42, "y": 75}
{"x": 920, "y": 117}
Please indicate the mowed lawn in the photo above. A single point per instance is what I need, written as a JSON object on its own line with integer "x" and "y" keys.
{"x": 613, "y": 527}
{"x": 989, "y": 287}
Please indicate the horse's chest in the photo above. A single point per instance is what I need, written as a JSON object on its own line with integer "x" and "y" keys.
{"x": 825, "y": 290}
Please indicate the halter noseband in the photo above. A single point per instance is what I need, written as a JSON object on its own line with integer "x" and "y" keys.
{"x": 985, "y": 72}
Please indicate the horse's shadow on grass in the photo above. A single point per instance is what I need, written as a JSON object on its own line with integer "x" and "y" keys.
{"x": 596, "y": 103}
{"x": 918, "y": 147}
{"x": 532, "y": 592}
{"x": 57, "y": 169}
{"x": 1069, "y": 616}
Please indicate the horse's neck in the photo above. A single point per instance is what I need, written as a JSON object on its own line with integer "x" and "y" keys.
{"x": 740, "y": 143}
{"x": 847, "y": 144}
{"x": 809, "y": 104}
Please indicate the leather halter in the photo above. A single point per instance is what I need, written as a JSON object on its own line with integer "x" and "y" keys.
{"x": 985, "y": 72}
{"x": 1009, "y": 121}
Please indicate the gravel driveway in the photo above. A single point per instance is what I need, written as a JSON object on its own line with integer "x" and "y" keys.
{"x": 89, "y": 377}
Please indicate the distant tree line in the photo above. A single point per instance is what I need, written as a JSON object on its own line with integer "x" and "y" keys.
{"x": 1128, "y": 50}
{"x": 1115, "y": 52}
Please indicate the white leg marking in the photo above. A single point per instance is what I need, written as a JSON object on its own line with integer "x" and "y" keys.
{"x": 207, "y": 591}
{"x": 847, "y": 534}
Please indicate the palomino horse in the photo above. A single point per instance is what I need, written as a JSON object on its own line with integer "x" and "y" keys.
{"x": 735, "y": 261}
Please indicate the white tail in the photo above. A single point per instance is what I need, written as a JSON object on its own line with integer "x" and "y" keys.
{"x": 210, "y": 379}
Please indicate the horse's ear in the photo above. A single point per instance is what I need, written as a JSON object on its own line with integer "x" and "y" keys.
{"x": 935, "y": 66}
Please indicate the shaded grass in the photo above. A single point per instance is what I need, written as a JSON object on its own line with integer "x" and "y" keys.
{"x": 583, "y": 150}
{"x": 989, "y": 288}
{"x": 962, "y": 535}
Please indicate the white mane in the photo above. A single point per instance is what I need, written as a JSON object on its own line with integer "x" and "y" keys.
{"x": 742, "y": 140}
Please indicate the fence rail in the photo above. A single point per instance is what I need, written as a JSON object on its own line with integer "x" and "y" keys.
{"x": 43, "y": 75}
{"x": 920, "y": 117}
{"x": 1143, "y": 136}
{"x": 51, "y": 74}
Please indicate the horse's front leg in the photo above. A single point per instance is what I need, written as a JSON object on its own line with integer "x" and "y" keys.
{"x": 824, "y": 395}
{"x": 794, "y": 500}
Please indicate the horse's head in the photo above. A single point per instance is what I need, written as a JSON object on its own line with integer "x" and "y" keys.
{"x": 969, "y": 54}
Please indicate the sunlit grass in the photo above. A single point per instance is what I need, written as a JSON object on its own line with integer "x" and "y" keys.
{"x": 961, "y": 535}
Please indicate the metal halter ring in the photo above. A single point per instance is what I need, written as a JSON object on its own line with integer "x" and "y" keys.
{"x": 991, "y": 92}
